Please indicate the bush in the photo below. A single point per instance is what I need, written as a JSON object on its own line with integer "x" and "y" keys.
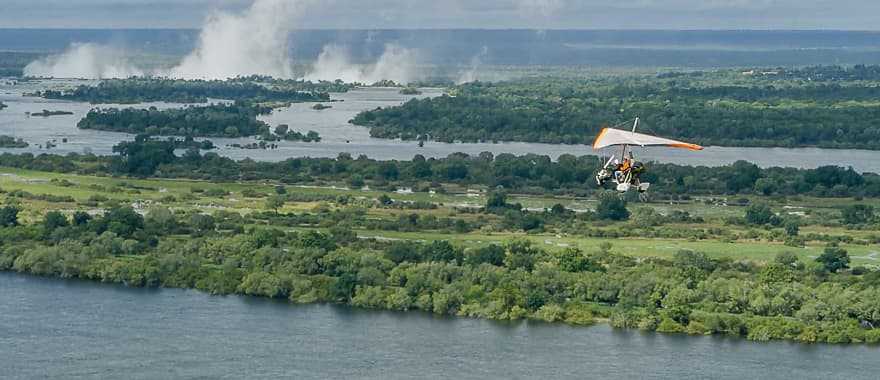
{"x": 761, "y": 214}
{"x": 857, "y": 214}
{"x": 611, "y": 207}
{"x": 834, "y": 259}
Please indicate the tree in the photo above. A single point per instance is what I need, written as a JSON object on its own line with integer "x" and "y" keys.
{"x": 161, "y": 220}
{"x": 788, "y": 259}
{"x": 792, "y": 227}
{"x": 142, "y": 156}
{"x": 420, "y": 168}
{"x": 440, "y": 250}
{"x": 765, "y": 186}
{"x": 202, "y": 223}
{"x": 385, "y": 200}
{"x": 356, "y": 181}
{"x": 490, "y": 254}
{"x": 496, "y": 200}
{"x": 574, "y": 260}
{"x": 312, "y": 136}
{"x": 275, "y": 202}
{"x": 81, "y": 218}
{"x": 611, "y": 207}
{"x": 123, "y": 221}
{"x": 342, "y": 235}
{"x": 760, "y": 214}
{"x": 388, "y": 170}
{"x": 834, "y": 259}
{"x": 857, "y": 214}
{"x": 401, "y": 251}
{"x": 521, "y": 255}
{"x": 558, "y": 209}
{"x": 54, "y": 220}
{"x": 9, "y": 216}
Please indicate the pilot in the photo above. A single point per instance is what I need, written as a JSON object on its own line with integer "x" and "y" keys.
{"x": 618, "y": 169}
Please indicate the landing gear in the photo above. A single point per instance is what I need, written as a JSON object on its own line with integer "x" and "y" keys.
{"x": 602, "y": 177}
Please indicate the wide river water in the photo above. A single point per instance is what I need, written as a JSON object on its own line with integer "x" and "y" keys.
{"x": 67, "y": 329}
{"x": 340, "y": 136}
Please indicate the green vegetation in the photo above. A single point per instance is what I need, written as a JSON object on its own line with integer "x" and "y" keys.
{"x": 12, "y": 142}
{"x": 410, "y": 91}
{"x": 775, "y": 253}
{"x": 719, "y": 108}
{"x": 528, "y": 174}
{"x": 253, "y": 89}
{"x": 283, "y": 132}
{"x": 216, "y": 120}
{"x": 47, "y": 113}
{"x": 364, "y": 248}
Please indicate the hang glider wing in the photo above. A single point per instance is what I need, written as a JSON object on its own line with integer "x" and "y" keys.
{"x": 612, "y": 137}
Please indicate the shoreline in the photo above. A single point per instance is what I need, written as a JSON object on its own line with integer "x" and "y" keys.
{"x": 608, "y": 321}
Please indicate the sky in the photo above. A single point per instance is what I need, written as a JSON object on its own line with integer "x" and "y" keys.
{"x": 477, "y": 14}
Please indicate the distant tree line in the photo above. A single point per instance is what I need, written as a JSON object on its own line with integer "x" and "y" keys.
{"x": 569, "y": 175}
{"x": 140, "y": 90}
{"x": 831, "y": 73}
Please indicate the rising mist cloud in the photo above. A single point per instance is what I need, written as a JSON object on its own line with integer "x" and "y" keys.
{"x": 252, "y": 42}
{"x": 396, "y": 63}
{"x": 84, "y": 60}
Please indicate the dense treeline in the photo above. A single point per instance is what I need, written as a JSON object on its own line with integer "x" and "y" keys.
{"x": 216, "y": 120}
{"x": 139, "y": 90}
{"x": 820, "y": 73}
{"x": 830, "y": 73}
{"x": 225, "y": 253}
{"x": 573, "y": 112}
{"x": 336, "y": 86}
{"x": 568, "y": 175}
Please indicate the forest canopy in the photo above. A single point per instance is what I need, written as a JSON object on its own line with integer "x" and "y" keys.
{"x": 216, "y": 120}
{"x": 734, "y": 110}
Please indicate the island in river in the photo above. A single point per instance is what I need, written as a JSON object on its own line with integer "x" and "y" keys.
{"x": 47, "y": 113}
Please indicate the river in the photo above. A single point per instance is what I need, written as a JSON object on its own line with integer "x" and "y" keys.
{"x": 67, "y": 329}
{"x": 340, "y": 136}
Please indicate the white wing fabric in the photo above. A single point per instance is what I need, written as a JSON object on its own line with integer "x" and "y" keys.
{"x": 611, "y": 137}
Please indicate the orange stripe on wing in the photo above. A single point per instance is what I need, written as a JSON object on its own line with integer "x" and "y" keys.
{"x": 596, "y": 142}
{"x": 687, "y": 146}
